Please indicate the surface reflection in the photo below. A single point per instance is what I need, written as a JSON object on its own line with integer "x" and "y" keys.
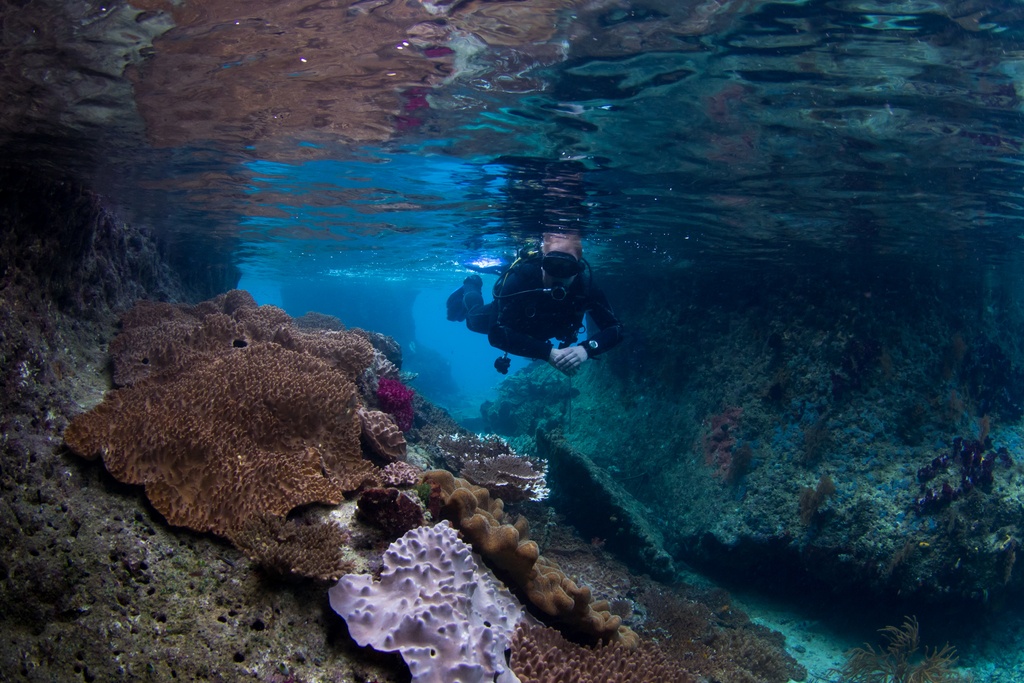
{"x": 697, "y": 129}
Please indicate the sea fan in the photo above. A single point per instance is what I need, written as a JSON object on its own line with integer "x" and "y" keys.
{"x": 902, "y": 661}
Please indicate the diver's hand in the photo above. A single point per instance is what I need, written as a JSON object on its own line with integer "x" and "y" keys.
{"x": 568, "y": 360}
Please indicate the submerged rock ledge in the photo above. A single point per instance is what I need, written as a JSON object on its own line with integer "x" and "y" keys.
{"x": 783, "y": 436}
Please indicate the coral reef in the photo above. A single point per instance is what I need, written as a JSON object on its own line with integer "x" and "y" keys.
{"x": 506, "y": 546}
{"x": 95, "y": 586}
{"x": 449, "y": 618}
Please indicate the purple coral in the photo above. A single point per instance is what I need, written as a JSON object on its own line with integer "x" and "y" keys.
{"x": 391, "y": 510}
{"x": 396, "y": 399}
{"x": 977, "y": 464}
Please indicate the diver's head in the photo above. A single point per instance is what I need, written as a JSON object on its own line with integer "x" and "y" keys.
{"x": 562, "y": 259}
{"x": 568, "y": 242}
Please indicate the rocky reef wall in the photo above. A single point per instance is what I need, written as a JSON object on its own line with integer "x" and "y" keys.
{"x": 68, "y": 267}
{"x": 94, "y": 586}
{"x": 774, "y": 425}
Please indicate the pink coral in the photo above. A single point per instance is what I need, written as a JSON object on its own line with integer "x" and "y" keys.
{"x": 719, "y": 445}
{"x": 396, "y": 398}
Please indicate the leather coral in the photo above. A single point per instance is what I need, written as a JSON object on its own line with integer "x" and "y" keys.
{"x": 507, "y": 547}
{"x": 224, "y": 427}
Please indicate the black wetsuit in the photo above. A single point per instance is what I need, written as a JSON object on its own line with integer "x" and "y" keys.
{"x": 523, "y": 316}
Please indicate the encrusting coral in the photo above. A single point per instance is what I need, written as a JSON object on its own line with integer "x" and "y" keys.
{"x": 394, "y": 511}
{"x": 506, "y": 545}
{"x": 450, "y": 619}
{"x": 509, "y": 477}
{"x": 459, "y": 448}
{"x": 489, "y": 461}
{"x": 400, "y": 474}
{"x": 542, "y": 655}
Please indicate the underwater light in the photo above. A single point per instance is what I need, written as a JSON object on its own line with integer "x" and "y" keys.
{"x": 487, "y": 264}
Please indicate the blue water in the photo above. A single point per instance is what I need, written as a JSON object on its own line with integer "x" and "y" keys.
{"x": 453, "y": 366}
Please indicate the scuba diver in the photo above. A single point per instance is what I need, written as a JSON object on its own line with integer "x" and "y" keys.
{"x": 543, "y": 295}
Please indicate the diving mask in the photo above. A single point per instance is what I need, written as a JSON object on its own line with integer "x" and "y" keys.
{"x": 560, "y": 265}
